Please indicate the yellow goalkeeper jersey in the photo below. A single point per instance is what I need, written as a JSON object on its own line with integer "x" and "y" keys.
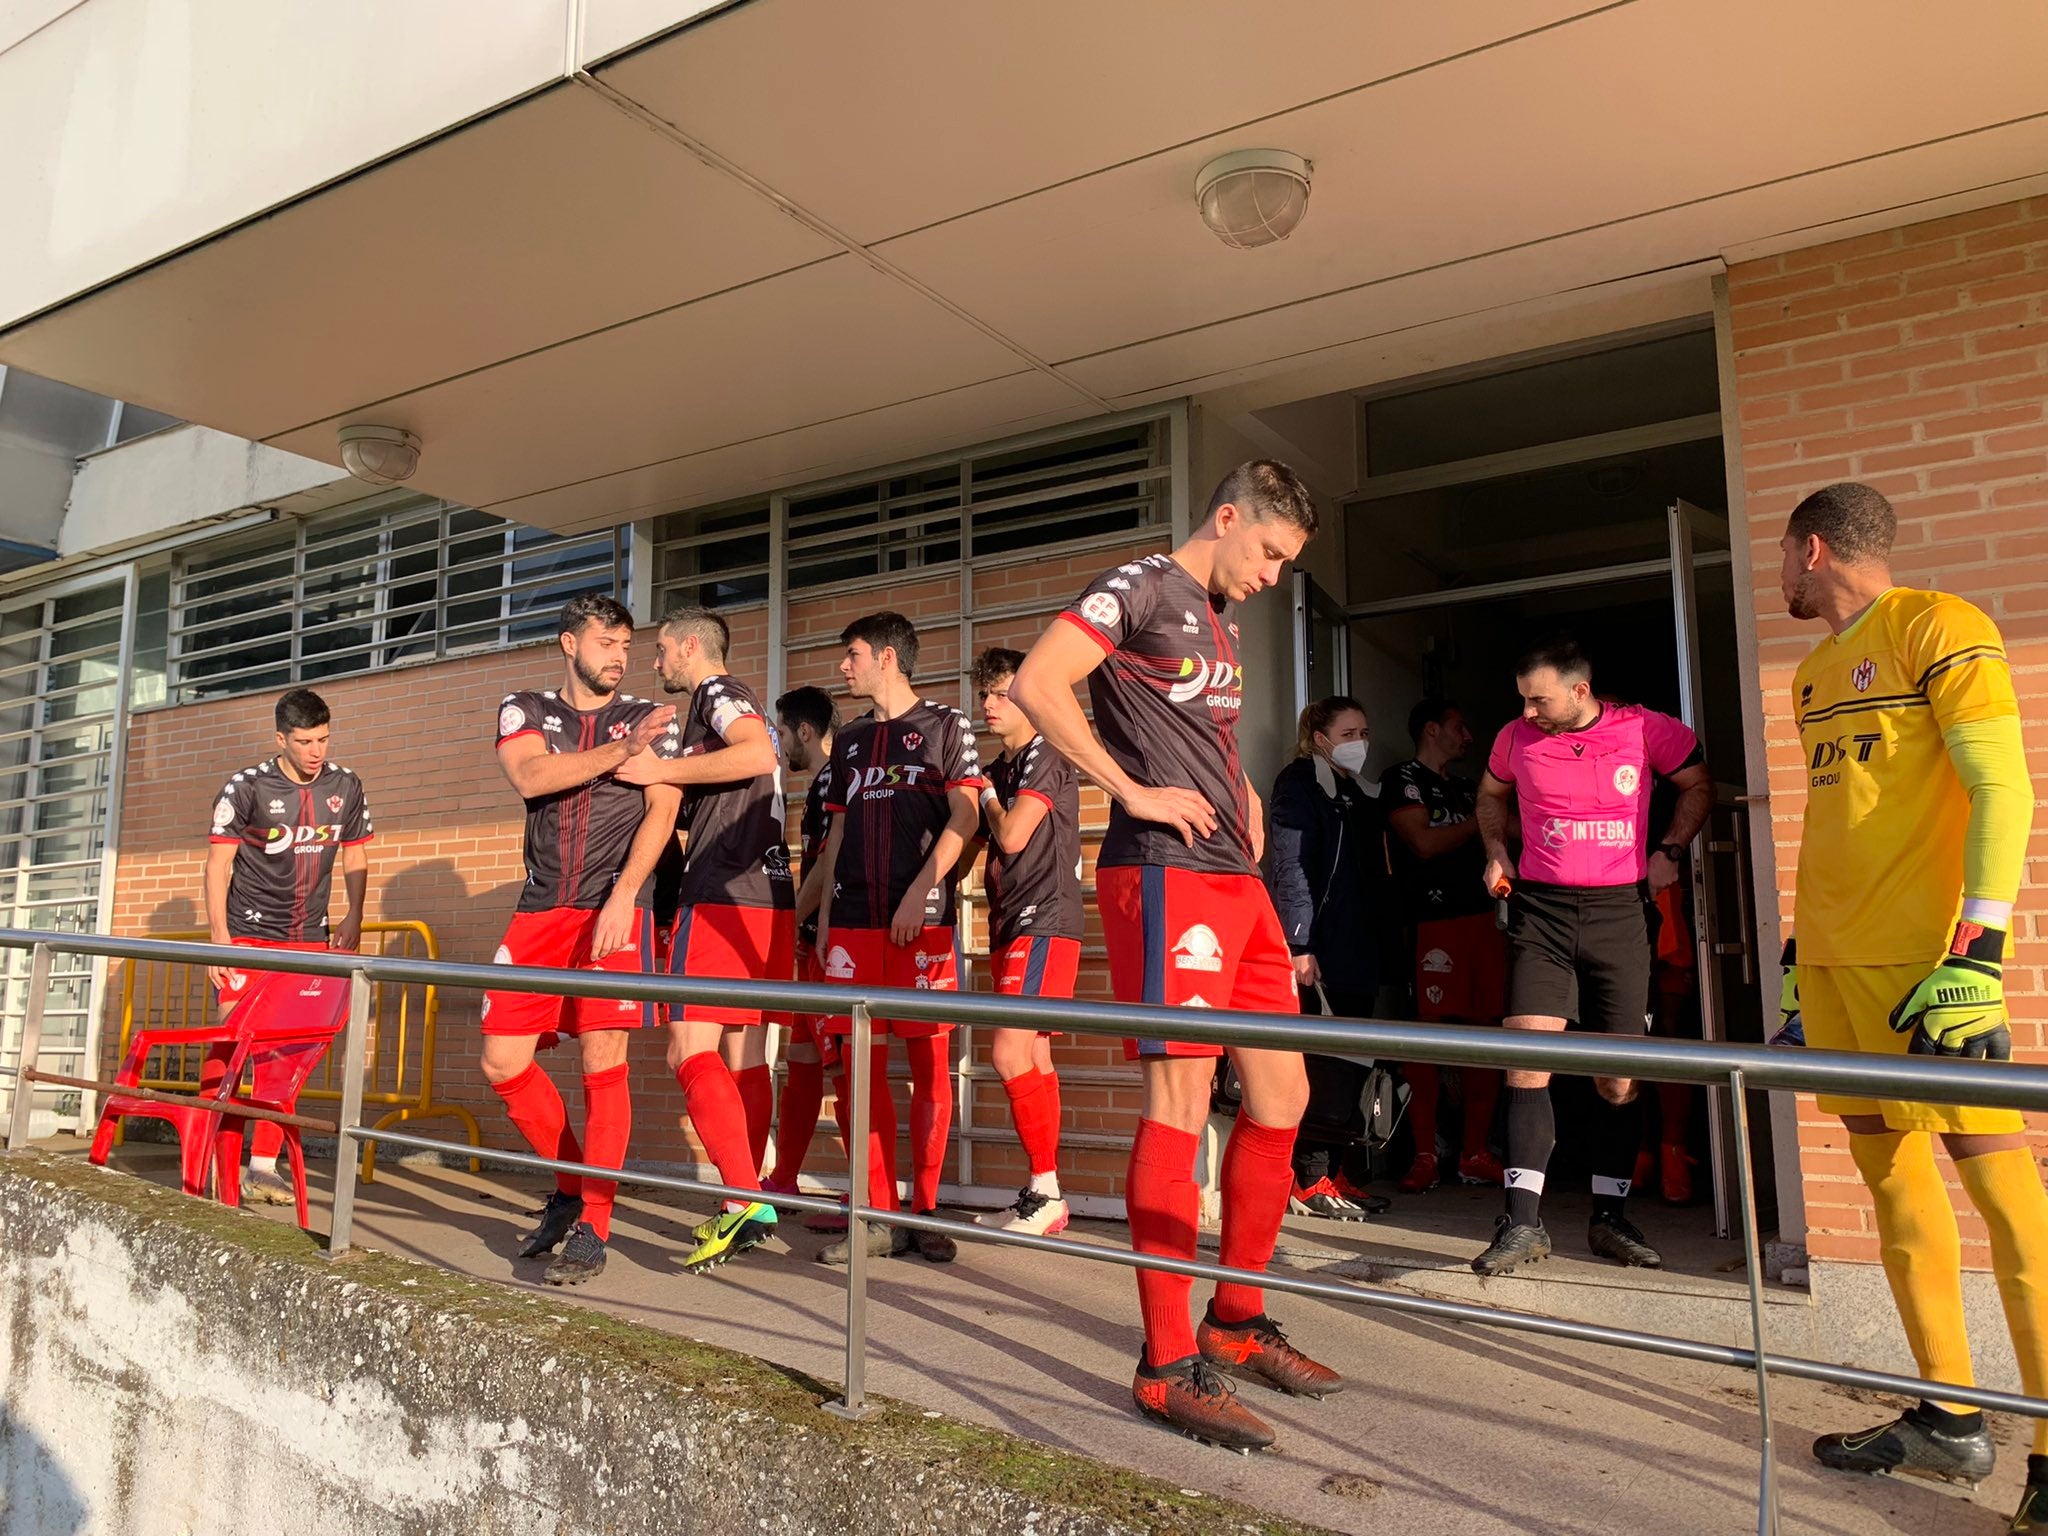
{"x": 1881, "y": 862}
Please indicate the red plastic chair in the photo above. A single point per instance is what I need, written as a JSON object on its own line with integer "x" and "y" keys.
{"x": 196, "y": 1128}
{"x": 292, "y": 1020}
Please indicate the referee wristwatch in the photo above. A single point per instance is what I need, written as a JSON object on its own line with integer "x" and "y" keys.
{"x": 1675, "y": 852}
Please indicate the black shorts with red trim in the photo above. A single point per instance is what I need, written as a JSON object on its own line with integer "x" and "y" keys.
{"x": 1461, "y": 970}
{"x": 720, "y": 942}
{"x": 560, "y": 936}
{"x": 241, "y": 982}
{"x": 866, "y": 957}
{"x": 1189, "y": 939}
{"x": 1038, "y": 965}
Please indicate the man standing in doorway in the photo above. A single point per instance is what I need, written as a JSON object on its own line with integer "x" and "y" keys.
{"x": 1578, "y": 917}
{"x": 1031, "y": 814}
{"x": 1917, "y": 815}
{"x": 1460, "y": 956}
{"x": 903, "y": 802}
{"x": 277, "y": 829}
{"x": 1188, "y": 923}
{"x": 591, "y": 844}
{"x": 736, "y": 915}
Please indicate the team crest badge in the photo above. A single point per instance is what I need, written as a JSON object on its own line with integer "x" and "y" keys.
{"x": 1864, "y": 675}
{"x": 1627, "y": 779}
{"x": 334, "y": 804}
{"x": 912, "y": 740}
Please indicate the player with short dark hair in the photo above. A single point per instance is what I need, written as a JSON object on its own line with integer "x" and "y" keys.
{"x": 1460, "y": 960}
{"x": 808, "y": 719}
{"x": 1188, "y": 922}
{"x": 735, "y": 913}
{"x": 278, "y": 829}
{"x": 1579, "y": 944}
{"x": 592, "y": 842}
{"x": 1918, "y": 810}
{"x": 903, "y": 804}
{"x": 1031, "y": 820}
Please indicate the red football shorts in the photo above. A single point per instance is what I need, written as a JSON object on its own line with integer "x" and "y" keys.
{"x": 1461, "y": 970}
{"x": 809, "y": 1028}
{"x": 1192, "y": 940}
{"x": 240, "y": 982}
{"x": 727, "y": 943}
{"x": 560, "y": 937}
{"x": 1037, "y": 966}
{"x": 865, "y": 957}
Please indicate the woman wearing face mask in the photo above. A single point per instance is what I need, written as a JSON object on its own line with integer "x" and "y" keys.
{"x": 1328, "y": 874}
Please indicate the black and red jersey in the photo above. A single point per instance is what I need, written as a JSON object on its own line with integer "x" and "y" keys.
{"x": 738, "y": 853}
{"x": 1452, "y": 884}
{"x": 1167, "y": 697}
{"x": 577, "y": 841}
{"x": 890, "y": 780}
{"x": 286, "y": 835}
{"x": 1036, "y": 890}
{"x": 812, "y": 829}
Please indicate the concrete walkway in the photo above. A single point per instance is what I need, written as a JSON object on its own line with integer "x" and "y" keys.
{"x": 1469, "y": 1431}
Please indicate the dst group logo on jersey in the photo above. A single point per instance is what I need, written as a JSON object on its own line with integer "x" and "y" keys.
{"x": 880, "y": 782}
{"x": 1220, "y": 680}
{"x": 1198, "y": 950}
{"x": 280, "y": 840}
{"x": 1829, "y": 757}
{"x": 1864, "y": 675}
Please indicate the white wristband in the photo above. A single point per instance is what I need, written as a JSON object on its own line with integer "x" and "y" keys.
{"x": 1987, "y": 913}
{"x": 989, "y": 796}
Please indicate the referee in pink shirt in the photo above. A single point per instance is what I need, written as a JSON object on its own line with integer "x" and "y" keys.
{"x": 1579, "y": 944}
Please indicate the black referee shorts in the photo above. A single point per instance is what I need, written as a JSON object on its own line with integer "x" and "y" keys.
{"x": 1581, "y": 953}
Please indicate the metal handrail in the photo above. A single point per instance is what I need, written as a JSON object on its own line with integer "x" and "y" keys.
{"x": 1737, "y": 1067}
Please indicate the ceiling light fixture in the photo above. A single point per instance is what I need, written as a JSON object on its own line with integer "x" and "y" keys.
{"x": 1253, "y": 197}
{"x": 380, "y": 455}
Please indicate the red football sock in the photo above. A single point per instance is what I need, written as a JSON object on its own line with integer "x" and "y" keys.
{"x": 803, "y": 1095}
{"x": 757, "y": 1098}
{"x": 1674, "y": 1108}
{"x": 1482, "y": 1093}
{"x": 607, "y": 1127}
{"x": 266, "y": 1138}
{"x": 1258, "y": 1171}
{"x": 881, "y": 1158}
{"x": 1034, "y": 1105}
{"x": 1052, "y": 1099}
{"x": 535, "y": 1107}
{"x": 712, "y": 1101}
{"x": 1423, "y": 1085}
{"x": 931, "y": 1115}
{"x": 1163, "y": 1206}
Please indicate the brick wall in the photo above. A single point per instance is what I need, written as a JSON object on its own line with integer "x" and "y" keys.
{"x": 448, "y": 836}
{"x": 1915, "y": 360}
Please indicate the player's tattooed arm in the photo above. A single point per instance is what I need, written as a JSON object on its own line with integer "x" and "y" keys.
{"x": 1044, "y": 689}
{"x": 1492, "y": 816}
{"x": 618, "y": 920}
{"x": 537, "y": 773}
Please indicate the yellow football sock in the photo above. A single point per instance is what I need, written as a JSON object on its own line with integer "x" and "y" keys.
{"x": 1922, "y": 1251}
{"x": 2006, "y": 1189}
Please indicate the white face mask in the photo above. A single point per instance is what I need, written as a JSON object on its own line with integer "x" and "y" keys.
{"x": 1350, "y": 755}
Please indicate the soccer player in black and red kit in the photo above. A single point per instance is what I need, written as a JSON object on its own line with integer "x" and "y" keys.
{"x": 1188, "y": 923}
{"x": 736, "y": 913}
{"x": 903, "y": 801}
{"x": 1031, "y": 815}
{"x": 591, "y": 844}
{"x": 277, "y": 830}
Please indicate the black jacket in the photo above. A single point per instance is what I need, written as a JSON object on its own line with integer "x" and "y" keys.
{"x": 1326, "y": 863}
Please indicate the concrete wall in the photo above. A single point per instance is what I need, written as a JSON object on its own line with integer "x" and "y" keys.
{"x": 180, "y": 477}
{"x": 170, "y": 1366}
{"x": 1916, "y": 360}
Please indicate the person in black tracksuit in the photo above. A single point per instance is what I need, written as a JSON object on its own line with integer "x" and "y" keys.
{"x": 1327, "y": 869}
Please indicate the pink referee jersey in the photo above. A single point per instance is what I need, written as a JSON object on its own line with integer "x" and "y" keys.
{"x": 1585, "y": 794}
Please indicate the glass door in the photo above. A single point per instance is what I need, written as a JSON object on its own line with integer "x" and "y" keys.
{"x": 1322, "y": 644}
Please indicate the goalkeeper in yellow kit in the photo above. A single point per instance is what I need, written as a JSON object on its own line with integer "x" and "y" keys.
{"x": 1917, "y": 813}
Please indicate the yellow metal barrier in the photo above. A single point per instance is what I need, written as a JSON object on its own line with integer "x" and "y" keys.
{"x": 177, "y": 996}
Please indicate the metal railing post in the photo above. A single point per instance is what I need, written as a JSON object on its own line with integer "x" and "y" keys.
{"x": 31, "y": 1047}
{"x": 354, "y": 1044}
{"x": 853, "y": 1404}
{"x": 1752, "y": 1246}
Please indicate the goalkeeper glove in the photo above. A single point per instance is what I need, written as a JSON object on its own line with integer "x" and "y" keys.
{"x": 1959, "y": 1010}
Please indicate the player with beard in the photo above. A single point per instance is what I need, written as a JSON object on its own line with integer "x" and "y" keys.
{"x": 591, "y": 843}
{"x": 903, "y": 802}
{"x": 736, "y": 916}
{"x": 1188, "y": 923}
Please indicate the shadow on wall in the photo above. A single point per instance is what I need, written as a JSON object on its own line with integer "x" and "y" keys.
{"x": 36, "y": 1497}
{"x": 467, "y": 924}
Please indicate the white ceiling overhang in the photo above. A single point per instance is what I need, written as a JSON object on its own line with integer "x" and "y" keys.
{"x": 798, "y": 237}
